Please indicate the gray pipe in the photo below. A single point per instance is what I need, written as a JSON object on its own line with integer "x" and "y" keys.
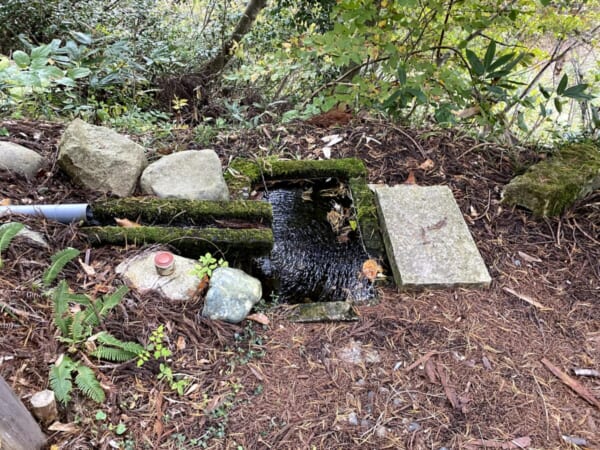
{"x": 61, "y": 213}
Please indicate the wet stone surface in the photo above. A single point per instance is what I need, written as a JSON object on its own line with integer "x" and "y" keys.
{"x": 311, "y": 261}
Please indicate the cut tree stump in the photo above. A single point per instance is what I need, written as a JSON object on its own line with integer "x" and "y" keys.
{"x": 18, "y": 428}
{"x": 43, "y": 405}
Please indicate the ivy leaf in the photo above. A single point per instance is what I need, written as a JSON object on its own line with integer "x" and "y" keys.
{"x": 562, "y": 85}
{"x": 489, "y": 55}
{"x": 475, "y": 63}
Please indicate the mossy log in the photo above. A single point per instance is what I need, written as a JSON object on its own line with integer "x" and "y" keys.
{"x": 151, "y": 210}
{"x": 191, "y": 242}
{"x": 363, "y": 200}
{"x": 551, "y": 186}
{"x": 244, "y": 173}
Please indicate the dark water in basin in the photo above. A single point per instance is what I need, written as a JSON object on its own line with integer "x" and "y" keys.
{"x": 308, "y": 263}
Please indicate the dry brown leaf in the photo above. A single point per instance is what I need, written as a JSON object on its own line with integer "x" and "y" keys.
{"x": 126, "y": 223}
{"x": 63, "y": 427}
{"x": 581, "y": 390}
{"x": 411, "y": 179}
{"x": 89, "y": 270}
{"x": 5, "y": 202}
{"x": 370, "y": 269}
{"x": 522, "y": 442}
{"x": 428, "y": 164}
{"x": 528, "y": 258}
{"x": 180, "y": 343}
{"x": 260, "y": 318}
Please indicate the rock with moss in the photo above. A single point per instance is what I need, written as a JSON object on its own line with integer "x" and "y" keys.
{"x": 551, "y": 186}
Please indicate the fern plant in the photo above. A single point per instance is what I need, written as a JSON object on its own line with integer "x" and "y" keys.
{"x": 58, "y": 262}
{"x": 76, "y": 329}
{"x": 61, "y": 380}
{"x": 7, "y": 233}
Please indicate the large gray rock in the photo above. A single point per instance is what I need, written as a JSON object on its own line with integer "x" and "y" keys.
{"x": 101, "y": 159}
{"x": 231, "y": 295}
{"x": 20, "y": 160}
{"x": 140, "y": 274}
{"x": 427, "y": 240}
{"x": 191, "y": 175}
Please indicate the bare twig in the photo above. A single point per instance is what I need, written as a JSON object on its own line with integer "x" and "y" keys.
{"x": 572, "y": 383}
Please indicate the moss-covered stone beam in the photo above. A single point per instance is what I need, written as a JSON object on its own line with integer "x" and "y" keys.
{"x": 191, "y": 242}
{"x": 244, "y": 173}
{"x": 551, "y": 186}
{"x": 151, "y": 210}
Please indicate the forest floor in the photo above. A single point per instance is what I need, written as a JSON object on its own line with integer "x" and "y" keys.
{"x": 456, "y": 369}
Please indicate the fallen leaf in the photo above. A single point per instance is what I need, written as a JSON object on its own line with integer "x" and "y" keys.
{"x": 528, "y": 258}
{"x": 527, "y": 299}
{"x": 259, "y": 318}
{"x": 581, "y": 390}
{"x": 332, "y": 139}
{"x": 180, "y": 343}
{"x": 89, "y": 270}
{"x": 64, "y": 427}
{"x": 126, "y": 223}
{"x": 370, "y": 269}
{"x": 5, "y": 202}
{"x": 473, "y": 211}
{"x": 522, "y": 442}
{"x": 411, "y": 179}
{"x": 326, "y": 152}
{"x": 428, "y": 164}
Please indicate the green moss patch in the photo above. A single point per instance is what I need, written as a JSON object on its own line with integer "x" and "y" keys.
{"x": 551, "y": 186}
{"x": 151, "y": 210}
{"x": 191, "y": 242}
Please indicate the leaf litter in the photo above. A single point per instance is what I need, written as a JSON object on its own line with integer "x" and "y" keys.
{"x": 480, "y": 351}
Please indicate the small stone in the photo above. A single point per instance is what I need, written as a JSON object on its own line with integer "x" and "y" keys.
{"x": 231, "y": 295}
{"x": 380, "y": 431}
{"x": 19, "y": 160}
{"x": 353, "y": 419}
{"x": 413, "y": 426}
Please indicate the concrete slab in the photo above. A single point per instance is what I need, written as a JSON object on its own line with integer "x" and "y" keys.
{"x": 427, "y": 240}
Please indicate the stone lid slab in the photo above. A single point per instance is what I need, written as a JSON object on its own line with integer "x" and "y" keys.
{"x": 427, "y": 240}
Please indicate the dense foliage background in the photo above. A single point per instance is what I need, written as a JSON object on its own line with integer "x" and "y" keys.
{"x": 516, "y": 69}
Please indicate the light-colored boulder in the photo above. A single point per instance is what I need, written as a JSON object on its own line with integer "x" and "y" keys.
{"x": 190, "y": 174}
{"x": 20, "y": 160}
{"x": 231, "y": 295}
{"x": 140, "y": 274}
{"x": 101, "y": 159}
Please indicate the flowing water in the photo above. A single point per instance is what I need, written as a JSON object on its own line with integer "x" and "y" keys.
{"x": 313, "y": 259}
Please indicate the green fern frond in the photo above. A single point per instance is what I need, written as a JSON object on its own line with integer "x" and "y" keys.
{"x": 7, "y": 232}
{"x": 113, "y": 354}
{"x": 60, "y": 379}
{"x": 112, "y": 300}
{"x": 87, "y": 382}
{"x": 59, "y": 260}
{"x": 79, "y": 330}
{"x": 128, "y": 346}
{"x": 60, "y": 304}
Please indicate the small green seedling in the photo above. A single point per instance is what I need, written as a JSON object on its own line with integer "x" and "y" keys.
{"x": 206, "y": 264}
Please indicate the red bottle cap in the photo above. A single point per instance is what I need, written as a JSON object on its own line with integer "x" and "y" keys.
{"x": 163, "y": 260}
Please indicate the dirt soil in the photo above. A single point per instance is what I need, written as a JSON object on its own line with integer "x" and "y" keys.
{"x": 450, "y": 369}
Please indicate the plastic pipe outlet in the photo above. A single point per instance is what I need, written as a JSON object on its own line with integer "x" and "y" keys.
{"x": 61, "y": 213}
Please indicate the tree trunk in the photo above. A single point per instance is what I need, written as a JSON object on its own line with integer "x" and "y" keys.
{"x": 217, "y": 64}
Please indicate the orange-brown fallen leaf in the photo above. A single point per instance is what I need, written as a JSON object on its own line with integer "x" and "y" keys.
{"x": 126, "y": 223}
{"x": 411, "y": 179}
{"x": 370, "y": 269}
{"x": 5, "y": 202}
{"x": 181, "y": 343}
{"x": 572, "y": 383}
{"x": 63, "y": 427}
{"x": 259, "y": 318}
